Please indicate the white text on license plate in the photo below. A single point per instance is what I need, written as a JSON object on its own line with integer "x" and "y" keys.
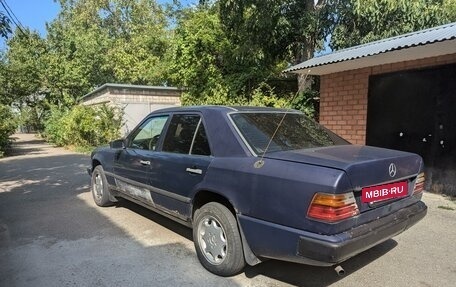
{"x": 385, "y": 191}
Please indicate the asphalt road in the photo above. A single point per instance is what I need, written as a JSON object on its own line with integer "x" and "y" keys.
{"x": 52, "y": 234}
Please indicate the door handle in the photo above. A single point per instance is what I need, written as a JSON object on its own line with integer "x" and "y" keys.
{"x": 194, "y": 170}
{"x": 144, "y": 162}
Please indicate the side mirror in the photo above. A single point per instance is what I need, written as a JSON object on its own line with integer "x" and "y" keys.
{"x": 118, "y": 144}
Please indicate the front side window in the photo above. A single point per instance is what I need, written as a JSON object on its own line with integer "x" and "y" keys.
{"x": 148, "y": 134}
{"x": 295, "y": 132}
{"x": 186, "y": 135}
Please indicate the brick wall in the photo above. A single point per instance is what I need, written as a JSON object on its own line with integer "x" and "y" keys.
{"x": 343, "y": 95}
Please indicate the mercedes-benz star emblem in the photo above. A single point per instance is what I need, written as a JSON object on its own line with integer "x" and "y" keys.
{"x": 392, "y": 170}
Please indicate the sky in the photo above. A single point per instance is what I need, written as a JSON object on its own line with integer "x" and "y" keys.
{"x": 34, "y": 14}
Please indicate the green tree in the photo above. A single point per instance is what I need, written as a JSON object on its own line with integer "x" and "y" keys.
{"x": 21, "y": 76}
{"x": 363, "y": 21}
{"x": 139, "y": 41}
{"x": 22, "y": 68}
{"x": 213, "y": 58}
{"x": 91, "y": 42}
{"x": 198, "y": 58}
{"x": 97, "y": 41}
{"x": 3, "y": 79}
{"x": 268, "y": 36}
{"x": 5, "y": 28}
{"x": 76, "y": 46}
{"x": 289, "y": 30}
{"x": 7, "y": 127}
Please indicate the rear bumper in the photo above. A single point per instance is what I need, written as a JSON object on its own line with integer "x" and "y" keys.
{"x": 275, "y": 241}
{"x": 362, "y": 237}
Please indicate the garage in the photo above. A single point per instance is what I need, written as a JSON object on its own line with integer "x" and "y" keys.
{"x": 135, "y": 101}
{"x": 397, "y": 93}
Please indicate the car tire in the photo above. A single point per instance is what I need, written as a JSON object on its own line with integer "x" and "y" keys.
{"x": 99, "y": 187}
{"x": 217, "y": 240}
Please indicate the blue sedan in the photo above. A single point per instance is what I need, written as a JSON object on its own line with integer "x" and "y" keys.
{"x": 261, "y": 183}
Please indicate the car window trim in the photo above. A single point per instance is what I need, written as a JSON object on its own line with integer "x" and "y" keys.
{"x": 201, "y": 121}
{"x": 190, "y": 152}
{"x": 165, "y": 126}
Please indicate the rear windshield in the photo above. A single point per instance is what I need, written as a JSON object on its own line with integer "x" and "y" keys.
{"x": 296, "y": 131}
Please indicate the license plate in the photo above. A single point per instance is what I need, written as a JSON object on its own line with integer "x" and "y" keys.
{"x": 385, "y": 191}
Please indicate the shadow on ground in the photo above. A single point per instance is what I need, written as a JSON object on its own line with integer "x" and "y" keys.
{"x": 290, "y": 273}
{"x": 50, "y": 237}
{"x": 26, "y": 147}
{"x": 303, "y": 275}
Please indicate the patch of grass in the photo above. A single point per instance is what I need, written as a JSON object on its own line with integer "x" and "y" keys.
{"x": 445, "y": 207}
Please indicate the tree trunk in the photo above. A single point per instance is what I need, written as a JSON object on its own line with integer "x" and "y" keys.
{"x": 306, "y": 48}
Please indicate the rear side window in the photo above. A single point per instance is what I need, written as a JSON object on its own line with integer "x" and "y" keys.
{"x": 186, "y": 135}
{"x": 201, "y": 144}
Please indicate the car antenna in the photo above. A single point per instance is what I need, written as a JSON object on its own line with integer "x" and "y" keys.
{"x": 260, "y": 163}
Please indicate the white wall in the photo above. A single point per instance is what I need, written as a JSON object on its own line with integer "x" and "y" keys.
{"x": 134, "y": 113}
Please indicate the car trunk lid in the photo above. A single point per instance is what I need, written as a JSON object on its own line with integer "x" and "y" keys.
{"x": 365, "y": 166}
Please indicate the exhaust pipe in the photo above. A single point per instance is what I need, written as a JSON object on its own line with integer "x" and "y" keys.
{"x": 339, "y": 270}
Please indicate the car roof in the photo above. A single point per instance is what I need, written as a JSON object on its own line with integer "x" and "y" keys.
{"x": 224, "y": 109}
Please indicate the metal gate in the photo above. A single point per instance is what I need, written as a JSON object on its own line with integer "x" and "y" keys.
{"x": 416, "y": 111}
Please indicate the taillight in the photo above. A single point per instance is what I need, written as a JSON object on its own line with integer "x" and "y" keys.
{"x": 333, "y": 207}
{"x": 419, "y": 184}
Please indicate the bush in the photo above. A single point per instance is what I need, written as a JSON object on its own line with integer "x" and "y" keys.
{"x": 83, "y": 126}
{"x": 8, "y": 125}
{"x": 307, "y": 102}
{"x": 54, "y": 130}
{"x": 265, "y": 96}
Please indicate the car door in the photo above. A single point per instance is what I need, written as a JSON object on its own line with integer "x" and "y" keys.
{"x": 132, "y": 164}
{"x": 184, "y": 158}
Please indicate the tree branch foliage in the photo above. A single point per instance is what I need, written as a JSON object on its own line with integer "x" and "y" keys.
{"x": 7, "y": 127}
{"x": 363, "y": 21}
{"x": 221, "y": 52}
{"x": 5, "y": 25}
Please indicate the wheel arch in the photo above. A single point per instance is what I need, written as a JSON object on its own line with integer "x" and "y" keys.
{"x": 95, "y": 163}
{"x": 205, "y": 196}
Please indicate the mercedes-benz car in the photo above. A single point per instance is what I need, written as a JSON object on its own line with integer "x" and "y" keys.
{"x": 261, "y": 183}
